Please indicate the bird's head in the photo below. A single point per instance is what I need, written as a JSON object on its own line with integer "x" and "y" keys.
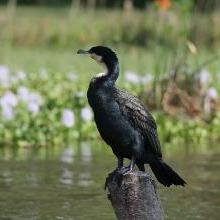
{"x": 102, "y": 55}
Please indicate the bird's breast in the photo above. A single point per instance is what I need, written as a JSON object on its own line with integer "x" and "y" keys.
{"x": 98, "y": 96}
{"x": 113, "y": 127}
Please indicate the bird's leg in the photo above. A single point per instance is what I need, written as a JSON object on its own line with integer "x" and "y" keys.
{"x": 117, "y": 171}
{"x": 140, "y": 166}
{"x": 130, "y": 168}
{"x": 120, "y": 163}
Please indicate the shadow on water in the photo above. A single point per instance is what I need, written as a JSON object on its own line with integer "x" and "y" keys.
{"x": 67, "y": 183}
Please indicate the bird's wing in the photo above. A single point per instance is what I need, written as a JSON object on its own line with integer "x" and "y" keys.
{"x": 140, "y": 118}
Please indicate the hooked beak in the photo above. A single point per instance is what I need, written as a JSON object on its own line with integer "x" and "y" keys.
{"x": 84, "y": 52}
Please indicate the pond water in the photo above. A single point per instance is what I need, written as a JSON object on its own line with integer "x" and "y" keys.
{"x": 67, "y": 183}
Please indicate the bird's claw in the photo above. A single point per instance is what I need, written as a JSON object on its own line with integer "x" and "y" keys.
{"x": 125, "y": 170}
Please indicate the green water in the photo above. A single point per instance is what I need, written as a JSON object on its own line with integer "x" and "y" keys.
{"x": 67, "y": 183}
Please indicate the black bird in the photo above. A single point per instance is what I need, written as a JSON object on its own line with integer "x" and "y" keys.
{"x": 123, "y": 121}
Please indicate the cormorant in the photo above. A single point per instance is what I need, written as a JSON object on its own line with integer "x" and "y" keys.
{"x": 123, "y": 121}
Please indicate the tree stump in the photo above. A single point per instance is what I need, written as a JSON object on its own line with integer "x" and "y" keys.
{"x": 133, "y": 196}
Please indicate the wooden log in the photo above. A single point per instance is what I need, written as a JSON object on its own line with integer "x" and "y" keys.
{"x": 133, "y": 196}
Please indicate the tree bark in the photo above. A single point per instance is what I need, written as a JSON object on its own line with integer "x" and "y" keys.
{"x": 133, "y": 196}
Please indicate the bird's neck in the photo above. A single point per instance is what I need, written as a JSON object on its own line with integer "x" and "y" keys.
{"x": 100, "y": 87}
{"x": 110, "y": 75}
{"x": 112, "y": 72}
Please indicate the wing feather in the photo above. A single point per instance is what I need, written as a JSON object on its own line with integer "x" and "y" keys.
{"x": 140, "y": 118}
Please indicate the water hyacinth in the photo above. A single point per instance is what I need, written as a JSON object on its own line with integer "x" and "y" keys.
{"x": 23, "y": 93}
{"x": 4, "y": 76}
{"x": 132, "y": 77}
{"x": 4, "y": 70}
{"x": 33, "y": 107}
{"x": 36, "y": 98}
{"x": 18, "y": 76}
{"x": 68, "y": 118}
{"x": 24, "y": 101}
{"x": 212, "y": 93}
{"x": 7, "y": 112}
{"x": 86, "y": 114}
{"x": 33, "y": 100}
{"x": 204, "y": 77}
{"x": 8, "y": 99}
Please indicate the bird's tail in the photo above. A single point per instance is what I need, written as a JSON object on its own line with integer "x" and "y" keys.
{"x": 165, "y": 174}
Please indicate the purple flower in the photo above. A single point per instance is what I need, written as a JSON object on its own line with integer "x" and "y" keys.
{"x": 33, "y": 107}
{"x": 8, "y": 112}
{"x": 7, "y": 102}
{"x": 35, "y": 97}
{"x": 8, "y": 99}
{"x": 68, "y": 118}
{"x": 204, "y": 77}
{"x": 212, "y": 93}
{"x": 33, "y": 100}
{"x": 4, "y": 76}
{"x": 23, "y": 93}
{"x": 86, "y": 114}
{"x": 132, "y": 77}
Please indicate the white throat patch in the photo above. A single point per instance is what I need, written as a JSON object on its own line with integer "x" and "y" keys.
{"x": 95, "y": 57}
{"x": 98, "y": 59}
{"x": 100, "y": 75}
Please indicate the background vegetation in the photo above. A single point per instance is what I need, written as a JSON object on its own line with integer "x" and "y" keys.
{"x": 169, "y": 57}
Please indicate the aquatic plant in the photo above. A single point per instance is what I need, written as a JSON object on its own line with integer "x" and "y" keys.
{"x": 38, "y": 111}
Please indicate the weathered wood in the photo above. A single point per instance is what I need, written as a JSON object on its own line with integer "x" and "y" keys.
{"x": 133, "y": 196}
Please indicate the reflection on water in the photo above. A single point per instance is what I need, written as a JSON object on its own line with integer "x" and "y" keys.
{"x": 68, "y": 183}
{"x": 67, "y": 155}
{"x": 66, "y": 177}
{"x": 85, "y": 179}
{"x": 86, "y": 154}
